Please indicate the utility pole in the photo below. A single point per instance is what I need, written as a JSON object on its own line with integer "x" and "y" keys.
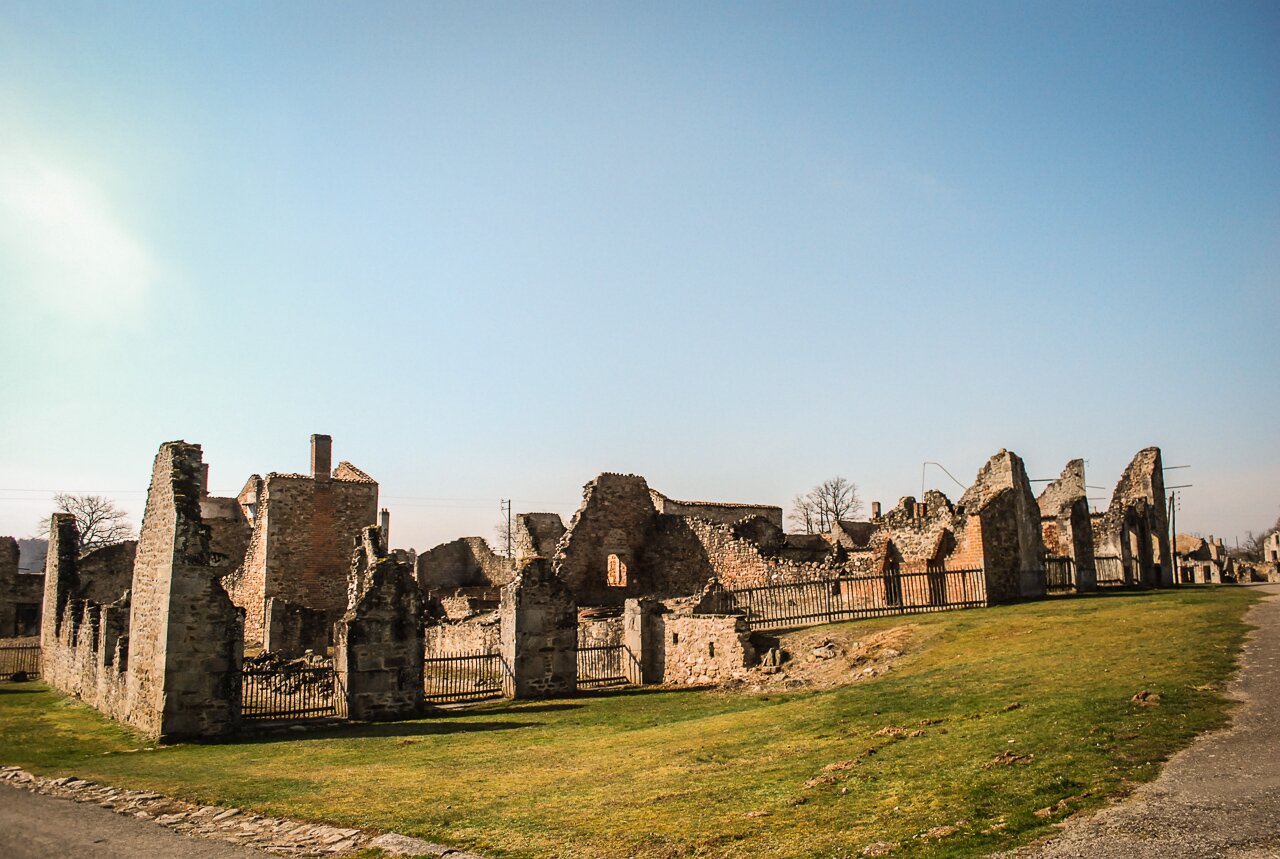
{"x": 1173, "y": 526}
{"x": 505, "y": 506}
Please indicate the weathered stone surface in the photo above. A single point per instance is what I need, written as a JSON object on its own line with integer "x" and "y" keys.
{"x": 165, "y": 655}
{"x": 1066, "y": 526}
{"x": 1135, "y": 527}
{"x": 21, "y": 594}
{"x": 303, "y": 529}
{"x": 539, "y": 633}
{"x": 378, "y": 647}
{"x": 463, "y": 563}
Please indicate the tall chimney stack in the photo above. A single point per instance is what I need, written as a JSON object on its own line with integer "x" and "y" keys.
{"x": 384, "y": 520}
{"x": 204, "y": 480}
{"x": 321, "y": 456}
{"x": 875, "y": 509}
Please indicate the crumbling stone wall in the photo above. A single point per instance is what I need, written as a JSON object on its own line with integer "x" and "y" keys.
{"x": 606, "y": 537}
{"x": 1066, "y": 526}
{"x": 291, "y": 629}
{"x": 715, "y": 511}
{"x": 106, "y": 572}
{"x": 165, "y": 655}
{"x": 303, "y": 530}
{"x": 378, "y": 645}
{"x": 540, "y": 632}
{"x": 1012, "y": 544}
{"x": 676, "y": 642}
{"x": 1271, "y": 548}
{"x": 463, "y": 563}
{"x": 1135, "y": 527}
{"x": 230, "y": 531}
{"x": 537, "y": 535}
{"x": 21, "y": 594}
{"x": 478, "y": 634}
{"x": 185, "y": 644}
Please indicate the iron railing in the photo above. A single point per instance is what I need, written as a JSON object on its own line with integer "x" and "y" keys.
{"x": 18, "y": 660}
{"x": 291, "y": 692}
{"x": 859, "y": 596}
{"x": 465, "y": 677}
{"x": 606, "y": 665}
{"x": 1059, "y": 575}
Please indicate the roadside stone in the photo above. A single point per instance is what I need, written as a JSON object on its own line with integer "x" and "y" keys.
{"x": 281, "y": 836}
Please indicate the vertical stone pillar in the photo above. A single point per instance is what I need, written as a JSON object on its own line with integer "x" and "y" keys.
{"x": 378, "y": 643}
{"x": 539, "y": 623}
{"x": 60, "y": 577}
{"x": 643, "y": 635}
{"x": 185, "y": 636}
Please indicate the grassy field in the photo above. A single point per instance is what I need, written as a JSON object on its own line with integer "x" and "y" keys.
{"x": 1015, "y": 710}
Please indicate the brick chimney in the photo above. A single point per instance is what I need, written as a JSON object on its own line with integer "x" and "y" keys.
{"x": 875, "y": 509}
{"x": 321, "y": 456}
{"x": 204, "y": 480}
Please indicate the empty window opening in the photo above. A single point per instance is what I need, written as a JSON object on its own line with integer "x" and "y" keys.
{"x": 711, "y": 648}
{"x": 617, "y": 577}
{"x": 675, "y": 638}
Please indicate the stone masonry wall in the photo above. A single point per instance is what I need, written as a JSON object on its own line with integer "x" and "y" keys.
{"x": 715, "y": 511}
{"x": 615, "y": 519}
{"x": 1065, "y": 523}
{"x": 185, "y": 644}
{"x": 1012, "y": 540}
{"x": 463, "y": 563}
{"x": 537, "y": 535}
{"x": 378, "y": 647}
{"x": 540, "y": 633}
{"x": 19, "y": 592}
{"x": 1135, "y": 526}
{"x": 303, "y": 531}
{"x": 480, "y": 634}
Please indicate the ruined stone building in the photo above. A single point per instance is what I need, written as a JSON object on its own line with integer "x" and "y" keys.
{"x": 1271, "y": 548}
{"x": 1201, "y": 561}
{"x": 144, "y": 631}
{"x": 1066, "y": 525}
{"x": 21, "y": 593}
{"x": 1131, "y": 539}
{"x": 294, "y": 534}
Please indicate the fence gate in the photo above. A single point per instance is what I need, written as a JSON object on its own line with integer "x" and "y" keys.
{"x": 474, "y": 676}
{"x": 19, "y": 660}
{"x": 287, "y": 691}
{"x": 606, "y": 665}
{"x": 1059, "y": 575}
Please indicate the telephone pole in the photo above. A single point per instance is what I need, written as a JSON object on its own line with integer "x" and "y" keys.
{"x": 505, "y": 506}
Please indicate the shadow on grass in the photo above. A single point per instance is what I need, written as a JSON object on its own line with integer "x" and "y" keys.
{"x": 417, "y": 728}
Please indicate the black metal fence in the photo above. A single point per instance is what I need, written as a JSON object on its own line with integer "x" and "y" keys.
{"x": 851, "y": 597}
{"x": 1112, "y": 572}
{"x": 1059, "y": 575}
{"x": 19, "y": 660}
{"x": 289, "y": 692}
{"x": 606, "y": 665}
{"x": 465, "y": 677}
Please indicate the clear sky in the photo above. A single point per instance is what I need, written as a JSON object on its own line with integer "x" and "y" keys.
{"x": 497, "y": 248}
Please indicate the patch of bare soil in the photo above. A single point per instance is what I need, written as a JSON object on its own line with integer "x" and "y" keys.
{"x": 823, "y": 657}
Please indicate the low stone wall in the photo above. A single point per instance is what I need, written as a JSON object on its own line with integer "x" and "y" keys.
{"x": 479, "y": 634}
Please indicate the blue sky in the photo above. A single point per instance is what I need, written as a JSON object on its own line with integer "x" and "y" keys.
{"x": 495, "y": 249}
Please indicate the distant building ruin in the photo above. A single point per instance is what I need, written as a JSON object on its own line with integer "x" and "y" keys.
{"x": 294, "y": 534}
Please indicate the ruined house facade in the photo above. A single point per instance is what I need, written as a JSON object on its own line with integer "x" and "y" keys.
{"x": 1131, "y": 537}
{"x": 295, "y": 534}
{"x": 145, "y": 632}
{"x": 21, "y": 593}
{"x": 1201, "y": 561}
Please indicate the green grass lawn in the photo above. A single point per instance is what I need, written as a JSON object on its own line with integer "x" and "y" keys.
{"x": 668, "y": 773}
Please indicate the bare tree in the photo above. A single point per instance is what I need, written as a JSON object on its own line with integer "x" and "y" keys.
{"x": 817, "y": 510}
{"x": 504, "y": 538}
{"x": 98, "y": 520}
